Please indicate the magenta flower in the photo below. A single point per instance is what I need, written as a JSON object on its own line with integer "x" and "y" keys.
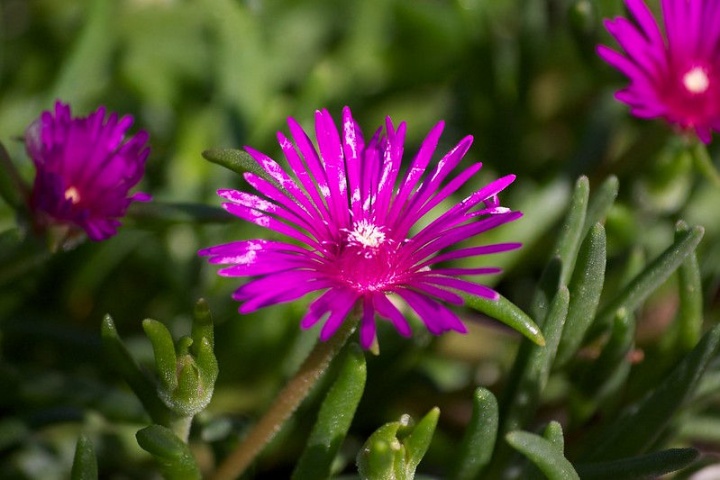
{"x": 354, "y": 218}
{"x": 85, "y": 169}
{"x": 675, "y": 76}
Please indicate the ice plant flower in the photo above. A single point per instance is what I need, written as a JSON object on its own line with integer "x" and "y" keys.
{"x": 354, "y": 219}
{"x": 675, "y": 75}
{"x": 85, "y": 169}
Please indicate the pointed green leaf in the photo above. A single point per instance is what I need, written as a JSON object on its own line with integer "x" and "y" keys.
{"x": 239, "y": 161}
{"x": 164, "y": 348}
{"x": 585, "y": 289}
{"x": 634, "y": 431}
{"x": 383, "y": 456}
{"x": 202, "y": 326}
{"x": 478, "y": 442}
{"x": 601, "y": 202}
{"x": 152, "y": 213}
{"x": 553, "y": 433}
{"x": 121, "y": 360}
{"x": 652, "y": 465}
{"x": 544, "y": 454}
{"x": 613, "y": 356}
{"x": 532, "y": 368}
{"x": 571, "y": 232}
{"x": 650, "y": 278}
{"x": 508, "y": 313}
{"x": 171, "y": 453}
{"x": 334, "y": 418}
{"x": 546, "y": 289}
{"x": 690, "y": 312}
{"x": 84, "y": 464}
{"x": 419, "y": 440}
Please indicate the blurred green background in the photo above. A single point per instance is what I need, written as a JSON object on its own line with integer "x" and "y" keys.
{"x": 520, "y": 76}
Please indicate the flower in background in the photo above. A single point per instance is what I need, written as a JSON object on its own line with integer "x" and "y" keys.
{"x": 85, "y": 169}
{"x": 675, "y": 76}
{"x": 360, "y": 228}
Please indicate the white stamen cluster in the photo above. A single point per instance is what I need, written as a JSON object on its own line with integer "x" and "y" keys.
{"x": 696, "y": 80}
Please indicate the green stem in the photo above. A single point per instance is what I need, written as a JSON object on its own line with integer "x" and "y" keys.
{"x": 181, "y": 427}
{"x": 704, "y": 163}
{"x": 285, "y": 404}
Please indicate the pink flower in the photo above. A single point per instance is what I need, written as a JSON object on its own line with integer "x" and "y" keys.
{"x": 353, "y": 217}
{"x": 675, "y": 76}
{"x": 85, "y": 169}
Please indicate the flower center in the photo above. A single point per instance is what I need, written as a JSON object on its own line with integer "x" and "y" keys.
{"x": 696, "y": 80}
{"x": 366, "y": 235}
{"x": 366, "y": 258}
{"x": 73, "y": 195}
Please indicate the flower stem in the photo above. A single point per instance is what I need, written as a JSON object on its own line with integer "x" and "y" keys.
{"x": 285, "y": 404}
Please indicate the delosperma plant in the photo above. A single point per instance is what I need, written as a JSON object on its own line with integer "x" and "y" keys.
{"x": 380, "y": 240}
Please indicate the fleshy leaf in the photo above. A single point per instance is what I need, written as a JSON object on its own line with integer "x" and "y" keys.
{"x": 478, "y": 443}
{"x": 172, "y": 454}
{"x": 614, "y": 355}
{"x": 84, "y": 463}
{"x": 141, "y": 385}
{"x": 652, "y": 465}
{"x": 508, "y": 313}
{"x": 544, "y": 454}
{"x": 585, "y": 289}
{"x": 600, "y": 203}
{"x": 571, "y": 232}
{"x": 164, "y": 350}
{"x": 394, "y": 451}
{"x": 240, "y": 162}
{"x": 532, "y": 368}
{"x": 641, "y": 424}
{"x": 690, "y": 312}
{"x": 334, "y": 418}
{"x": 650, "y": 278}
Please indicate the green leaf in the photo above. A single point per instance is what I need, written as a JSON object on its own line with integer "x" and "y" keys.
{"x": 164, "y": 349}
{"x": 544, "y": 454}
{"x": 585, "y": 288}
{"x": 143, "y": 387}
{"x": 546, "y": 289}
{"x": 417, "y": 443}
{"x": 152, "y": 213}
{"x": 334, "y": 418}
{"x": 601, "y": 202}
{"x": 239, "y": 161}
{"x": 383, "y": 456}
{"x": 571, "y": 232}
{"x": 650, "y": 278}
{"x": 690, "y": 312}
{"x": 508, "y": 313}
{"x": 614, "y": 355}
{"x": 202, "y": 326}
{"x": 172, "y": 454}
{"x": 478, "y": 443}
{"x": 635, "y": 430}
{"x": 532, "y": 368}
{"x": 394, "y": 450}
{"x": 652, "y": 465}
{"x": 553, "y": 433}
{"x": 84, "y": 464}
